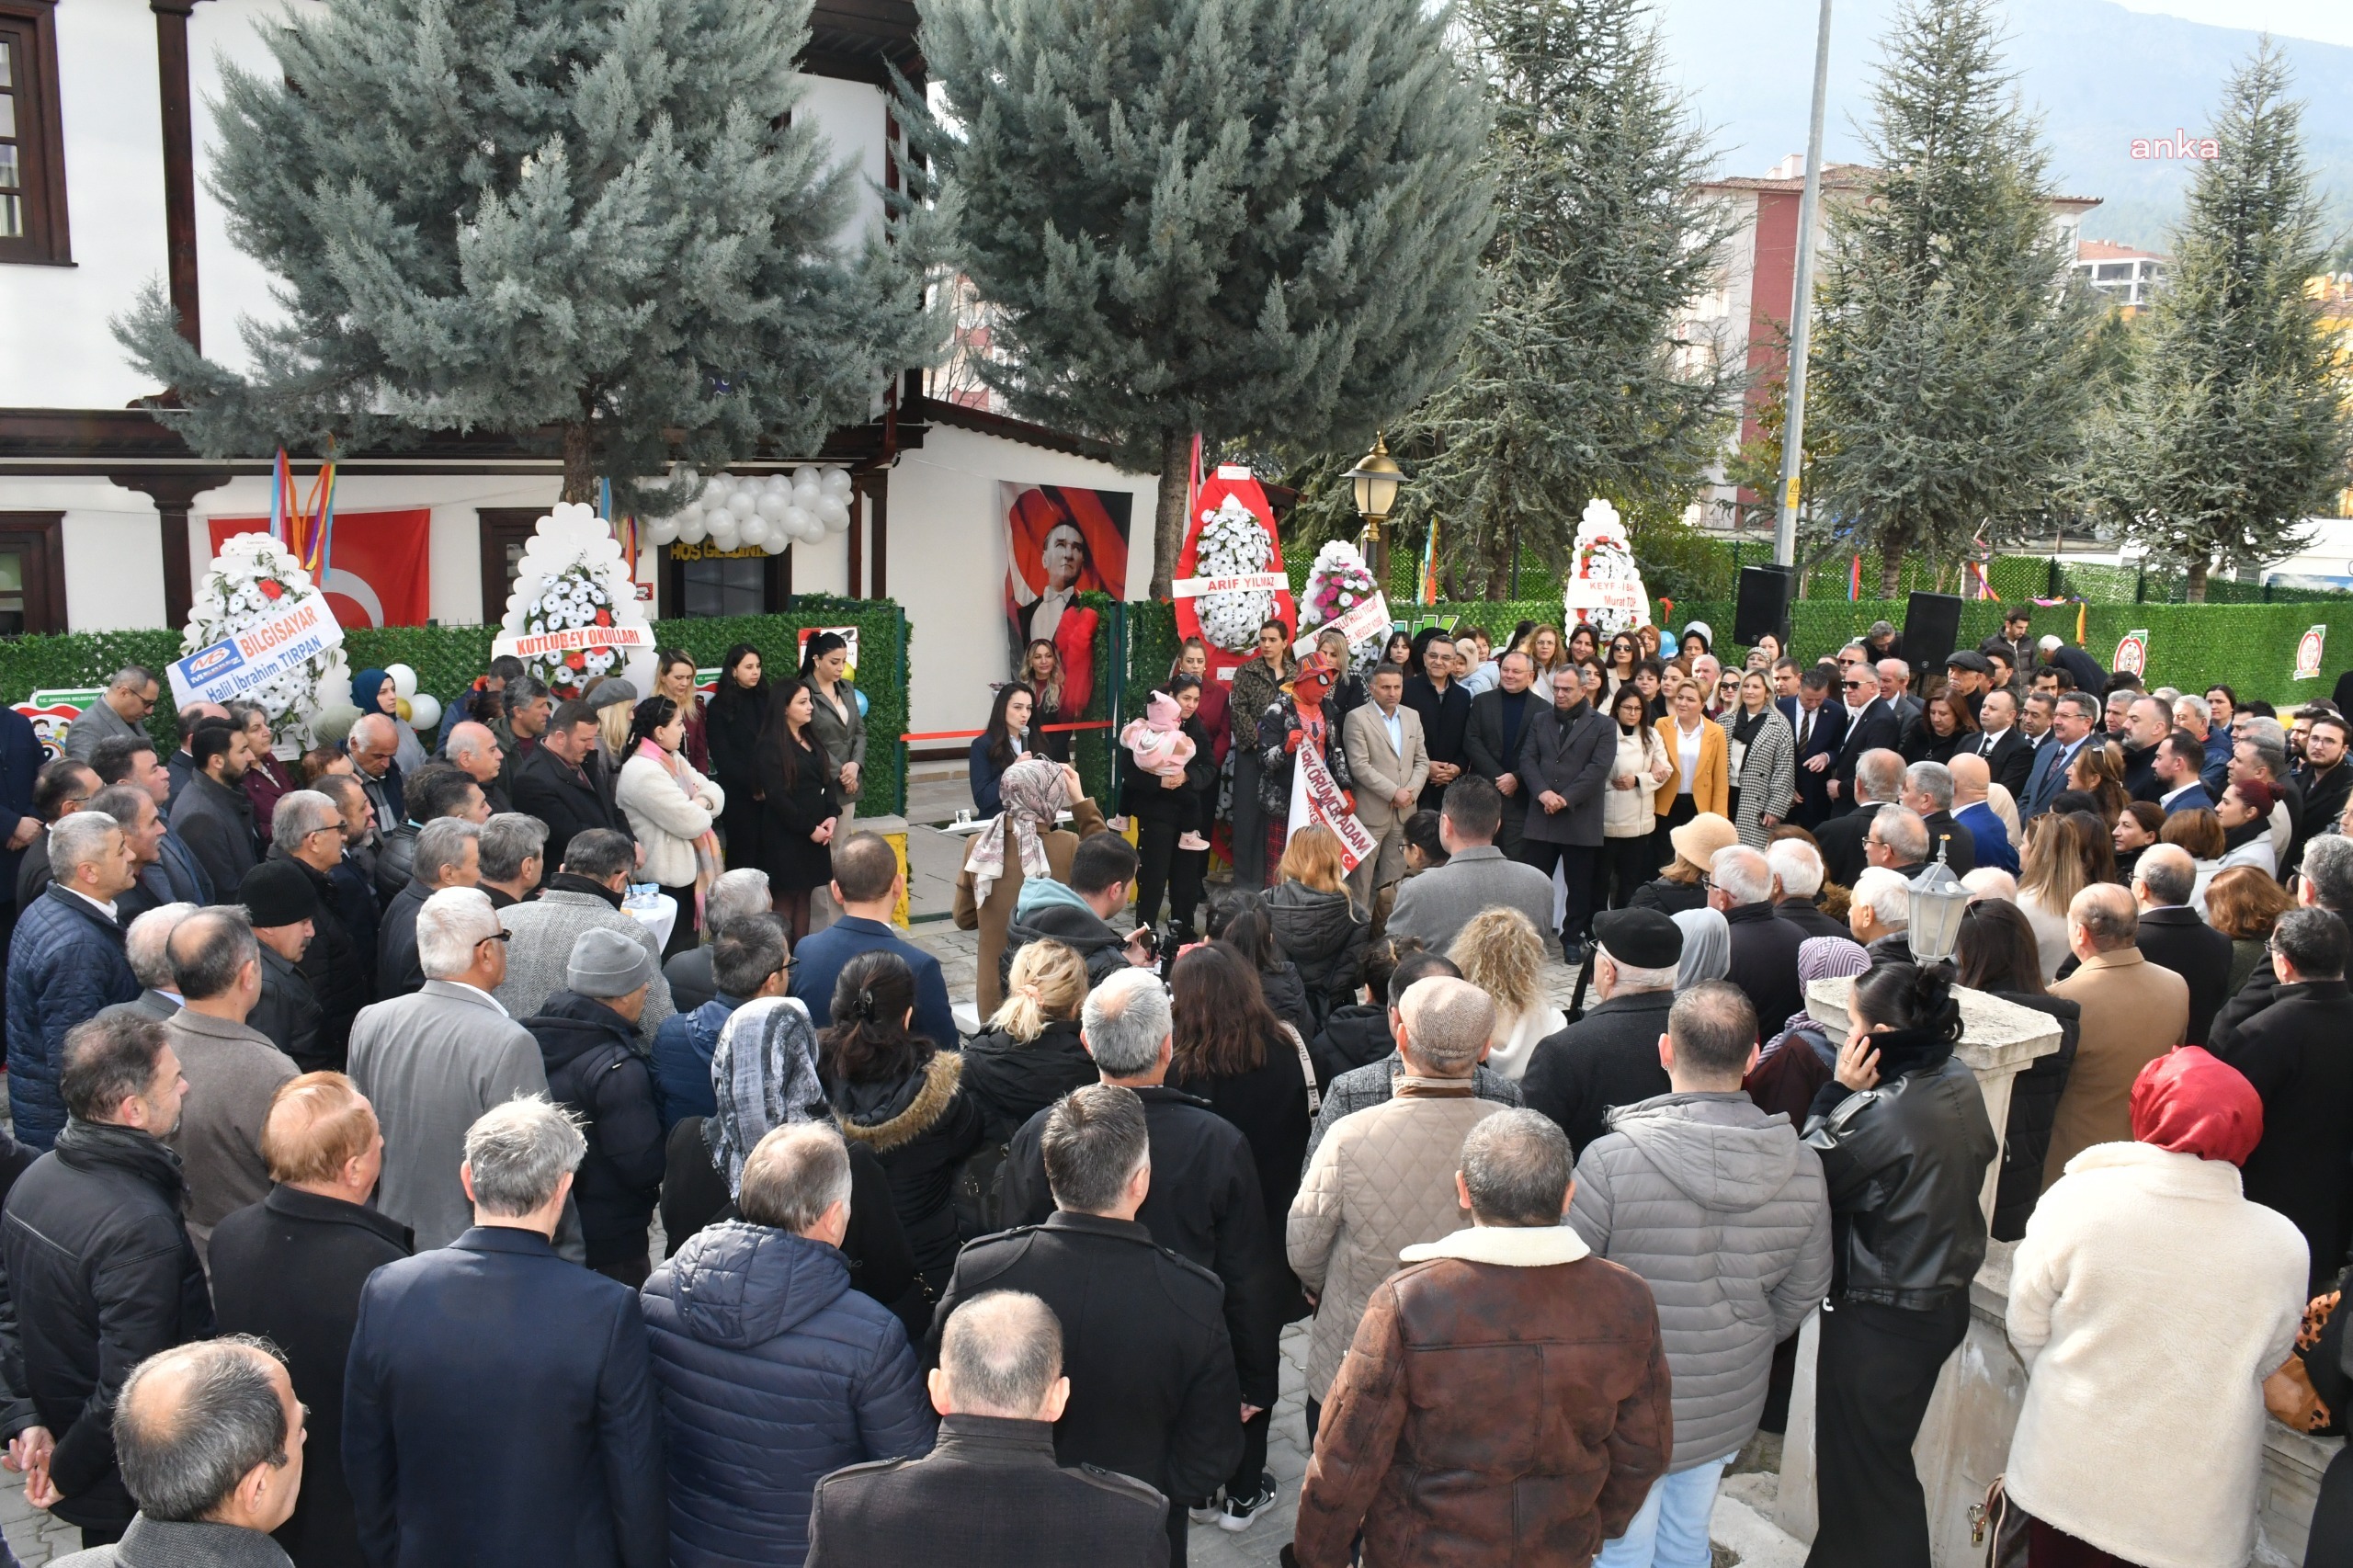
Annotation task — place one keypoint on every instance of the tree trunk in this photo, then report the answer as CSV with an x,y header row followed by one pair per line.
x,y
579,464
1169,521
2195,589
1891,567
1500,542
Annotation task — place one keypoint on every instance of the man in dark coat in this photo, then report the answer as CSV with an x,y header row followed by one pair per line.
x,y
448,855
1609,1057
173,876
991,1493
1152,1388
1797,881
2088,676
499,1406
290,1269
1845,839
1819,722
100,1266
2325,882
214,816
1763,946
2294,1052
307,834
2326,775
371,745
1564,762
773,1370
1873,723
560,781
61,788
1927,792
2173,935
588,1036
1445,710
1490,741
866,885
285,913
65,961
20,826
435,790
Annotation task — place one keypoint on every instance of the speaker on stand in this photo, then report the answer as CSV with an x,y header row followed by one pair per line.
x,y
1764,605
1931,624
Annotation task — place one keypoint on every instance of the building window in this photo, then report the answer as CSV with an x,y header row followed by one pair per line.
x,y
32,572
703,580
32,142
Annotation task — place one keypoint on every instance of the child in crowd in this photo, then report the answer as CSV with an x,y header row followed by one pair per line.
x,y
1160,747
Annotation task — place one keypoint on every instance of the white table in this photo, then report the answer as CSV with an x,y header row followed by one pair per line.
x,y
659,918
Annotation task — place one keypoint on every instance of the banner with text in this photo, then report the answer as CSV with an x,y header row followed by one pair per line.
x,y
538,644
301,628
1316,800
1367,619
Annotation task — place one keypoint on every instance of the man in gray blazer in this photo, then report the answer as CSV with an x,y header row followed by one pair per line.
x,y
1564,762
120,710
1390,764
432,1062
1437,905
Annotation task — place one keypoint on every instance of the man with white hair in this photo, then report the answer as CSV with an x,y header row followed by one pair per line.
x,y
1764,948
737,895
1609,1057
65,964
1895,691
374,740
144,944
1879,914
1796,865
1987,881
1989,837
1928,793
1899,841
473,751
432,1062
1878,780
514,859
500,1403
1384,1179
2173,936
2134,1011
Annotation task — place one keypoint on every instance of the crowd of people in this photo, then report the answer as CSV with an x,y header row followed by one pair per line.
x,y
346,1093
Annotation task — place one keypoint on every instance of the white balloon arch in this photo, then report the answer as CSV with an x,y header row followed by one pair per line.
x,y
770,513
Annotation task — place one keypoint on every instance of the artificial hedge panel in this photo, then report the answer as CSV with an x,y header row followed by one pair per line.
x,y
448,658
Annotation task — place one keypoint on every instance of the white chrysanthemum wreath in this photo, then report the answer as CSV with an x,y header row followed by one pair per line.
x,y
248,581
572,575
1234,543
1338,582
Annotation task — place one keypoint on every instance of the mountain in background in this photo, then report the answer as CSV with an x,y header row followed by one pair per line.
x,y
2099,76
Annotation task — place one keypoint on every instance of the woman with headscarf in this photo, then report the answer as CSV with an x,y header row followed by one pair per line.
x,y
2149,1301
763,1075
1797,1059
372,692
1904,1143
1019,842
1303,719
1707,948
739,707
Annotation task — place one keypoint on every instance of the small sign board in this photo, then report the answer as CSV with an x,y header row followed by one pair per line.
x,y
2308,652
2132,652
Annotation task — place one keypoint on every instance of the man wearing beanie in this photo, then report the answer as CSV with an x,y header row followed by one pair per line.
x,y
588,1036
283,906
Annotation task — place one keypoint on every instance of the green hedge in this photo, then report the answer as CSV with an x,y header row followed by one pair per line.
x,y
448,658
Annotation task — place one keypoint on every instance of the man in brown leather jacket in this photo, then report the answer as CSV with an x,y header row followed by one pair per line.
x,y
1505,1398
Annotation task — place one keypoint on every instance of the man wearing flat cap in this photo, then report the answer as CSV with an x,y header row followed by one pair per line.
x,y
283,905
1609,1057
1970,675
588,1036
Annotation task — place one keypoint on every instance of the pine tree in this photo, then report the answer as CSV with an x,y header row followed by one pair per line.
x,y
1946,391
1255,219
600,216
2235,425
1578,380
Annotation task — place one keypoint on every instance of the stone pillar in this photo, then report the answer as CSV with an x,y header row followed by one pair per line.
x,y
1975,1406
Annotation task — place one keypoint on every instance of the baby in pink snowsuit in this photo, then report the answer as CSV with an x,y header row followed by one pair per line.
x,y
1161,748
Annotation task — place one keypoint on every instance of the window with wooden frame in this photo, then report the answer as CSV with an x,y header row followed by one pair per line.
x,y
32,572
32,136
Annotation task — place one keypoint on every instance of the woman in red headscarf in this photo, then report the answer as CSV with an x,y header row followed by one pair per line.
x,y
1307,718
2149,1300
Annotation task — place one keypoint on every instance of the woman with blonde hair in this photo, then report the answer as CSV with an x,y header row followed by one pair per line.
x,y
1699,760
1029,1055
2056,866
1316,921
1501,954
1545,649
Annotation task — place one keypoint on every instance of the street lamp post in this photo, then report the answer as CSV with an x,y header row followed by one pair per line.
x,y
1375,479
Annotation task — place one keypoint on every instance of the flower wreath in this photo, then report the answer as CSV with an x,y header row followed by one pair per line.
x,y
247,578
1338,582
1232,543
574,596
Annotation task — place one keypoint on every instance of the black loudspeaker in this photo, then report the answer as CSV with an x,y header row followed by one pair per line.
x,y
1764,604
1931,622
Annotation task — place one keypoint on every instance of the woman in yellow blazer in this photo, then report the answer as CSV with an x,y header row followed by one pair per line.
x,y
1699,763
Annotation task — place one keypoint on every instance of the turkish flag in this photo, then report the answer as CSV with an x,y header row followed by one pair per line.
x,y
379,568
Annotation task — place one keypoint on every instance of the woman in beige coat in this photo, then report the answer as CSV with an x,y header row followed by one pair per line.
x,y
1020,841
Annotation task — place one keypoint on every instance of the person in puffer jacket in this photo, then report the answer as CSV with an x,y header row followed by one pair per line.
x,y
65,962
772,1371
588,1038
1724,1212
1316,922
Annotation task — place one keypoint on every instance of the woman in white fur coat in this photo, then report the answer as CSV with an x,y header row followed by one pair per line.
x,y
671,809
2149,1300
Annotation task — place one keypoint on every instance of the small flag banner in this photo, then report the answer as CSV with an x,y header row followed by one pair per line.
x,y
305,528
1854,579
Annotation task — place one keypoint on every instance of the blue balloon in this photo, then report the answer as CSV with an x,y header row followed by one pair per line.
x,y
862,704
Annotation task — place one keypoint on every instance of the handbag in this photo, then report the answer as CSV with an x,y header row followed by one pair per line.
x,y
2288,1394
2000,1526
1307,1071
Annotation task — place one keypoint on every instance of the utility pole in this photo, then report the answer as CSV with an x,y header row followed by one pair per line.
x,y
1785,514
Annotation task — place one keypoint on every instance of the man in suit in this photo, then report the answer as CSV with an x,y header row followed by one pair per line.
x,y
1154,1392
431,1063
447,855
1564,762
1797,886
1435,905
1927,789
559,781
2134,1011
1820,726
499,1403
2179,758
371,746
1491,743
1895,691
121,710
1989,836
172,874
991,1492
2172,934
1873,724
2080,667
1878,780
1390,761
2008,753
147,945
2073,721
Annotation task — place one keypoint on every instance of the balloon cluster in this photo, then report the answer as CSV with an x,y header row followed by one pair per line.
x,y
770,513
417,709
249,579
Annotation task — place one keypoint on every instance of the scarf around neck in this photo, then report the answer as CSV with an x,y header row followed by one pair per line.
x,y
708,861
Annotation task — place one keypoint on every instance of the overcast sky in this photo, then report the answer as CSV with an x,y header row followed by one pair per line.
x,y
2328,21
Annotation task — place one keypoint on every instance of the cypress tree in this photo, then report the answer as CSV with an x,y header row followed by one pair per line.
x,y
1254,218
1947,393
600,216
2233,427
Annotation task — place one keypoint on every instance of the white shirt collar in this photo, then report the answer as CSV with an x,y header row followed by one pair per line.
x,y
484,994
1995,735
2172,795
105,909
